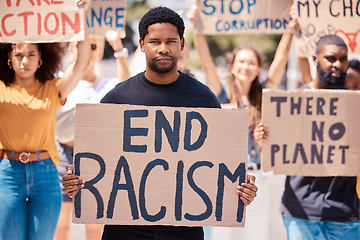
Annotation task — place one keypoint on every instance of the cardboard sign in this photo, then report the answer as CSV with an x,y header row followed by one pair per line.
x,y
40,21
160,165
243,16
103,15
319,18
312,132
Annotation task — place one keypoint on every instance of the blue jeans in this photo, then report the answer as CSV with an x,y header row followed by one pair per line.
x,y
66,155
305,229
30,200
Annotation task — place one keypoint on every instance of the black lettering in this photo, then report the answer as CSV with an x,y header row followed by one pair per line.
x,y
295,105
316,154
319,132
300,149
336,131
278,101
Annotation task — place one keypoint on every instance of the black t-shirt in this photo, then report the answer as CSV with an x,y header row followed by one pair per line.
x,y
184,92
321,198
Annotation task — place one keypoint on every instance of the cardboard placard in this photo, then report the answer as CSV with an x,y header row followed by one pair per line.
x,y
160,165
319,18
311,132
40,21
243,16
103,15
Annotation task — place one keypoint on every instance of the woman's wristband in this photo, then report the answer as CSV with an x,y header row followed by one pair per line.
x,y
122,53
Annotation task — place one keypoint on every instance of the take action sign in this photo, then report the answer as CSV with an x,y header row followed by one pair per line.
x,y
311,132
41,21
160,165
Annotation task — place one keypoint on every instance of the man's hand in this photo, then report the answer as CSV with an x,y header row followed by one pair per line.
x,y
71,182
247,191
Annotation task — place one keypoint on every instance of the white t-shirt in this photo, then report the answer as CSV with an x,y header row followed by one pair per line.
x,y
84,92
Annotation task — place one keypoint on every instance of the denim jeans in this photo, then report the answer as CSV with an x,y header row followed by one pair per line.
x,y
306,230
30,200
66,157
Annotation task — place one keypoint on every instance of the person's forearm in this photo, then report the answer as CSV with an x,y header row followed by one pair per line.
x,y
304,67
278,66
208,65
123,69
76,71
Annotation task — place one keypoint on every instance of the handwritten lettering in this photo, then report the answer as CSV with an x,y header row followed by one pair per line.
x,y
33,2
51,23
123,170
295,105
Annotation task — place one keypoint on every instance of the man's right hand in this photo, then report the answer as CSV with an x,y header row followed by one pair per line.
x,y
71,182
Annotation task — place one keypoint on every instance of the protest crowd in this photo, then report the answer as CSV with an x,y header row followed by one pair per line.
x,y
283,187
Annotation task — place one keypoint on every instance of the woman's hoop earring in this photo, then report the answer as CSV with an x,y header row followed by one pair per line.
x,y
40,63
9,63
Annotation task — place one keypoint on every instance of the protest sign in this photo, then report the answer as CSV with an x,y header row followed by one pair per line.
x,y
40,21
311,132
103,15
243,16
319,18
160,165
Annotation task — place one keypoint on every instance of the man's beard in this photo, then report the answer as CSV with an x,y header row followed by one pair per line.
x,y
330,82
155,67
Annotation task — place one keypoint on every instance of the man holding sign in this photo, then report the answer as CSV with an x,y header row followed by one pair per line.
x,y
161,38
321,207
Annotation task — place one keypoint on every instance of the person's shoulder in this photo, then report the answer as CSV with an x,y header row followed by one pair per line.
x,y
121,89
190,81
52,83
201,90
126,83
305,86
108,80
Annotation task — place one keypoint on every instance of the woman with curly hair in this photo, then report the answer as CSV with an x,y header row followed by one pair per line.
x,y
29,98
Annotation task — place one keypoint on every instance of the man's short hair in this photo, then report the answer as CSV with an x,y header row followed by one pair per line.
x,y
160,15
329,40
354,64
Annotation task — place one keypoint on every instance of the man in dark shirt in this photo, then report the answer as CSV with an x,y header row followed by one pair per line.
x,y
161,38
321,207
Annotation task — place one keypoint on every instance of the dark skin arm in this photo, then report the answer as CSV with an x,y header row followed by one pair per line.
x,y
72,184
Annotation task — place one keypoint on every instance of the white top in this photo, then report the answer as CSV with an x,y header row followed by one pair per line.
x,y
84,92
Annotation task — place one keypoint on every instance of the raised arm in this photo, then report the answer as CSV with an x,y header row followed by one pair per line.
x,y
121,54
278,66
304,67
208,65
76,71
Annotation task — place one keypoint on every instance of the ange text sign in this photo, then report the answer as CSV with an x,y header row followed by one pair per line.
x,y
218,17
40,21
160,165
311,132
103,15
